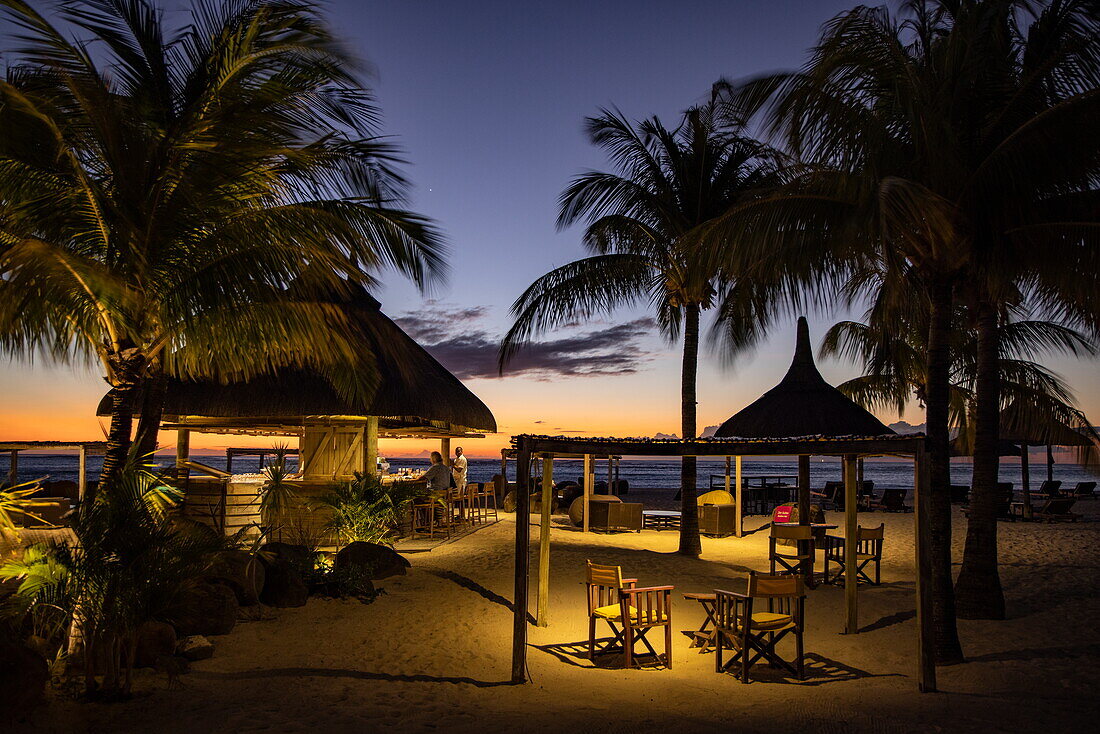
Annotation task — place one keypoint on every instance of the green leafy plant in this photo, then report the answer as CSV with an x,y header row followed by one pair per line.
x,y
277,495
128,560
17,501
366,509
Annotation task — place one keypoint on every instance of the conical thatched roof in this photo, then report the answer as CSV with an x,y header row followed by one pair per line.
x,y
1021,424
802,404
414,388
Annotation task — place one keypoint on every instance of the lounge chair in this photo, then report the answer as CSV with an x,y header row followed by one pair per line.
x,y
1004,502
752,632
831,494
868,550
1083,490
893,500
1049,488
620,602
791,548
1056,509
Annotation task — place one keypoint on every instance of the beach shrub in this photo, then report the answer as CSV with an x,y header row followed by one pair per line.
x,y
366,509
277,496
125,564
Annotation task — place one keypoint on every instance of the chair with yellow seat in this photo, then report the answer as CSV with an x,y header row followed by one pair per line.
x,y
631,612
752,632
868,551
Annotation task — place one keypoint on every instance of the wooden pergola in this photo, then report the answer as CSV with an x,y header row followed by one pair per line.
x,y
84,449
849,448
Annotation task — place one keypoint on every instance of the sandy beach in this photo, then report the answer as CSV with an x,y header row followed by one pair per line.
x,y
433,652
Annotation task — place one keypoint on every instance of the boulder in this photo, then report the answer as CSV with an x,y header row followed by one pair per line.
x,y
283,585
380,561
206,608
195,647
153,640
23,677
240,571
298,556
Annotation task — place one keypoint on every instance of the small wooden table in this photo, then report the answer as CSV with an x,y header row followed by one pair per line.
x,y
703,638
661,519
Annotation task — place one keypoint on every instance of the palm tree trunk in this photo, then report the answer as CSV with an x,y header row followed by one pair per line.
x,y
127,366
152,409
947,647
978,591
689,506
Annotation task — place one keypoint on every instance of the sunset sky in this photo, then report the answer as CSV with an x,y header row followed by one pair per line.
x,y
488,101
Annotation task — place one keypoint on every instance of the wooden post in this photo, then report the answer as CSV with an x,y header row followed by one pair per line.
x,y
1025,479
523,565
547,502
13,468
82,477
228,457
922,495
370,446
1050,463
589,479
739,529
445,448
610,479
183,451
804,510
803,489
851,497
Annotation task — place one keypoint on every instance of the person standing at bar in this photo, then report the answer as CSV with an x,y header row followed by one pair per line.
x,y
459,466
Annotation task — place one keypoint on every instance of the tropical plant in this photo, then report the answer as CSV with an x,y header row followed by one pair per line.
x,y
922,158
367,509
18,501
160,189
643,226
126,564
277,495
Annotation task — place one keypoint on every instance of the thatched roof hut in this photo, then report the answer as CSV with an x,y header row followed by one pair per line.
x,y
416,397
415,391
802,404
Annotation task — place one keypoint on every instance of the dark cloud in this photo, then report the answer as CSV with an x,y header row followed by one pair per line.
x,y
459,339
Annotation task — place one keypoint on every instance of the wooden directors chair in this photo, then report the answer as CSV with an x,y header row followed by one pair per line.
x,y
868,551
790,547
618,601
752,632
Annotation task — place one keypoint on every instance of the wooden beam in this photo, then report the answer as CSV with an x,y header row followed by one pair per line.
x,y
589,479
739,529
82,475
523,567
804,509
922,496
851,499
547,502
720,447
370,446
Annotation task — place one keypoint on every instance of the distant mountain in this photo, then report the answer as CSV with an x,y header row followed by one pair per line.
x,y
708,431
665,436
904,427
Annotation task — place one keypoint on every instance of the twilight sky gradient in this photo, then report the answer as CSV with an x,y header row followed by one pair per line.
x,y
488,99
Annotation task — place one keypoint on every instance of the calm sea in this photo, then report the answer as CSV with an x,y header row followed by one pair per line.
x,y
648,474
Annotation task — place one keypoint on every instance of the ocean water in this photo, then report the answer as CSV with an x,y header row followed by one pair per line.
x,y
640,473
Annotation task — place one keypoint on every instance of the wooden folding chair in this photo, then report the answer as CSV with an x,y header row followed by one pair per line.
x,y
790,547
868,550
753,633
629,611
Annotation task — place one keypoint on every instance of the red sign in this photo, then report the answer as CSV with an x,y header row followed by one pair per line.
x,y
783,513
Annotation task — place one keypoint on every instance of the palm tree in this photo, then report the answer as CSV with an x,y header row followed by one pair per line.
x,y
642,225
158,196
921,149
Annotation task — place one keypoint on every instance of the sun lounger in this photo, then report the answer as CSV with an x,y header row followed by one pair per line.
x,y
893,500
1083,490
1056,509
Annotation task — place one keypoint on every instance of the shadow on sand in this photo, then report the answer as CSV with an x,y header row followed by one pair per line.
x,y
347,673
